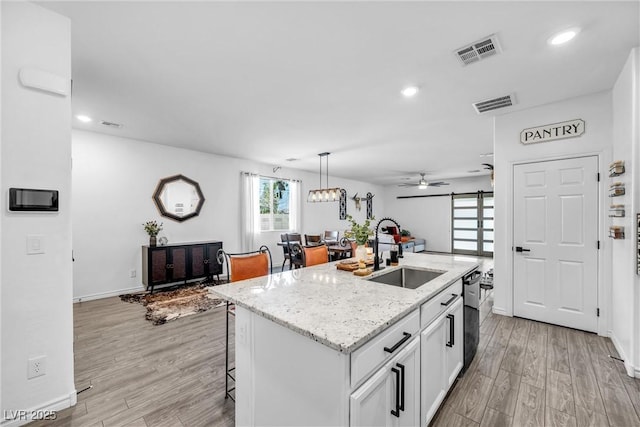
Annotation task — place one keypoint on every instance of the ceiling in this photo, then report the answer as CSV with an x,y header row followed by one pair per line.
x,y
270,81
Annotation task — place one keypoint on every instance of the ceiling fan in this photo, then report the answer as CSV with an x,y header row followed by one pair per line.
x,y
423,184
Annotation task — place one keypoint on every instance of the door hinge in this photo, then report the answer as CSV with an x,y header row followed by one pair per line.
x,y
597,312
598,244
598,174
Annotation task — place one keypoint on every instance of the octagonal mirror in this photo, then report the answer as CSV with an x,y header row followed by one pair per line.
x,y
178,197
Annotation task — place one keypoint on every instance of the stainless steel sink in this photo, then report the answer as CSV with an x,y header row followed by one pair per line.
x,y
406,277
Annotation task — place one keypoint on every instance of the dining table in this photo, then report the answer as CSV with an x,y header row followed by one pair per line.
x,y
336,250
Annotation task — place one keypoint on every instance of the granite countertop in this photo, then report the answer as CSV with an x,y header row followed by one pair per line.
x,y
335,307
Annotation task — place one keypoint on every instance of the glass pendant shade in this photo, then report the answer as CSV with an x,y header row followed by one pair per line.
x,y
324,194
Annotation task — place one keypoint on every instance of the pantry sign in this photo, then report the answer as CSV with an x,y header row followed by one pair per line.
x,y
546,133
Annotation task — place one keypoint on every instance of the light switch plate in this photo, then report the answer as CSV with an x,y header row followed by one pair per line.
x,y
35,244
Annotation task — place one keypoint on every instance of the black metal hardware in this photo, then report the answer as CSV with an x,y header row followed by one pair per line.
x,y
396,412
376,261
521,249
452,333
450,300
407,335
401,366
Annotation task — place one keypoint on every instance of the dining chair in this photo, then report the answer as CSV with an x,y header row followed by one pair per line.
x,y
346,243
292,249
290,239
312,239
314,255
241,266
331,236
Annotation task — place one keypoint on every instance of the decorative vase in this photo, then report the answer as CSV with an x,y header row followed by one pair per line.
x,y
152,240
361,252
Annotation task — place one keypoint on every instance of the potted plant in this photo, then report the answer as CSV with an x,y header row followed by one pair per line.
x,y
405,235
152,228
360,233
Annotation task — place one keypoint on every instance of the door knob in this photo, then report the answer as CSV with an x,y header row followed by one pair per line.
x,y
521,249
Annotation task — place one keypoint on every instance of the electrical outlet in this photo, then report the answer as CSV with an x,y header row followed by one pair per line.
x,y
37,366
132,274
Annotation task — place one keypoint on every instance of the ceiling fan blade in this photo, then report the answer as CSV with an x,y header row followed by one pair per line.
x,y
438,184
407,185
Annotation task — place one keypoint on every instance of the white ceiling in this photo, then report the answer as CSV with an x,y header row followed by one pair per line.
x,y
269,81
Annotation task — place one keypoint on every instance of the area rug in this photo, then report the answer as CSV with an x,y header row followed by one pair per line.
x,y
164,306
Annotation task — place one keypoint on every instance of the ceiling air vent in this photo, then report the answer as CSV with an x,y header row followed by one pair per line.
x,y
481,49
110,124
495,103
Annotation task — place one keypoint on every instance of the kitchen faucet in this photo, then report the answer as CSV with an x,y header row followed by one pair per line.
x,y
376,261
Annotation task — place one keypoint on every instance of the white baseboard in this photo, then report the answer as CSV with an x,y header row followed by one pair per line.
x,y
500,311
631,370
108,294
54,405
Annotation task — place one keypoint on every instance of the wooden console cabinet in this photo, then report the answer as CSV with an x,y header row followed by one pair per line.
x,y
179,262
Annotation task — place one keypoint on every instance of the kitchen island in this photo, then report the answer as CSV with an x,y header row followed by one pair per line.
x,y
321,346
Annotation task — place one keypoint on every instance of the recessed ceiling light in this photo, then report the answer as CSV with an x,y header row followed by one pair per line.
x,y
563,36
83,118
410,91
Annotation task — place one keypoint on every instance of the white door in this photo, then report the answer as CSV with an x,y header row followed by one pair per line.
x,y
555,236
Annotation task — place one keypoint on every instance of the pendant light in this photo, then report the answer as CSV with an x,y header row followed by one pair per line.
x,y
324,194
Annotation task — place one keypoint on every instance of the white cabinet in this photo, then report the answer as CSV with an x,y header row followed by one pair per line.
x,y
391,397
433,367
454,342
441,353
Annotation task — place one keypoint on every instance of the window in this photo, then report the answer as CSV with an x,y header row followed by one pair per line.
x,y
274,204
472,224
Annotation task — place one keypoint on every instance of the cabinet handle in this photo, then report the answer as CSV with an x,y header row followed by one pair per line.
x,y
453,296
407,335
452,332
396,412
401,366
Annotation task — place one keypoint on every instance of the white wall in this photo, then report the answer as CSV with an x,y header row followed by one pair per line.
x,y
36,152
596,111
113,183
429,218
626,146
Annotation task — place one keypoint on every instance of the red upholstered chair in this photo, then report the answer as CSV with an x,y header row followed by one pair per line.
x,y
393,230
242,266
314,255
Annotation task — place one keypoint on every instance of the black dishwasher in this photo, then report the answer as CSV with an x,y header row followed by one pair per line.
x,y
471,296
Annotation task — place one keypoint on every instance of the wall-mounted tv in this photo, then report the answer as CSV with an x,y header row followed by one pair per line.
x,y
33,200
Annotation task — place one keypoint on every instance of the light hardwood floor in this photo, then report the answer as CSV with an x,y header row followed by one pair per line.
x,y
144,375
529,373
525,374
